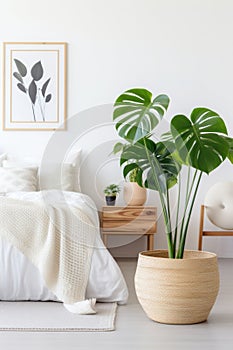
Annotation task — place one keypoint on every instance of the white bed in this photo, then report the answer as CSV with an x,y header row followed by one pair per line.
x,y
20,280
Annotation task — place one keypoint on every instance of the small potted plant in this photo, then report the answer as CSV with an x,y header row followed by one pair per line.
x,y
111,192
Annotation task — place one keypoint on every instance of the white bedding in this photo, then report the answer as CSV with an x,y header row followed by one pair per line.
x,y
20,280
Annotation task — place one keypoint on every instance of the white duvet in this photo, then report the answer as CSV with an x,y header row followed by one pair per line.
x,y
20,280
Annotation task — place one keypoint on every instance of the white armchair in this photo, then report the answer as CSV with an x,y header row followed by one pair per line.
x,y
218,206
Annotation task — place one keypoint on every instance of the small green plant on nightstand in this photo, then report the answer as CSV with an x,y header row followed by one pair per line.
x,y
111,192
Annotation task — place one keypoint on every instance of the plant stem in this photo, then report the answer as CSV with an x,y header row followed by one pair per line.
x,y
41,110
187,187
182,243
187,198
33,111
169,213
177,215
164,208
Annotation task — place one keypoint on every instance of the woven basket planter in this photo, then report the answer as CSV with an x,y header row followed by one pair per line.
x,y
177,291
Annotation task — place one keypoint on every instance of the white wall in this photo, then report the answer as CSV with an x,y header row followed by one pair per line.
x,y
183,48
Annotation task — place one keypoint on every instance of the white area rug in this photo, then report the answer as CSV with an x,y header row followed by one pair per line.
x,y
53,317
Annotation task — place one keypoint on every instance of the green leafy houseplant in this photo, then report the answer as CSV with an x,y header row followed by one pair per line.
x,y
112,190
198,142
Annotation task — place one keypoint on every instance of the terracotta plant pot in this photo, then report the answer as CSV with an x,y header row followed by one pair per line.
x,y
177,291
134,194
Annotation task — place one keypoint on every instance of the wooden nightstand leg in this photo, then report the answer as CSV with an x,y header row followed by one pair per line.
x,y
150,241
105,239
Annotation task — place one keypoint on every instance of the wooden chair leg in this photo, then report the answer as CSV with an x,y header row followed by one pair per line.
x,y
201,227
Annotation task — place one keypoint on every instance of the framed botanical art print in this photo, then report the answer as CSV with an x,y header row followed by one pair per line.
x,y
34,86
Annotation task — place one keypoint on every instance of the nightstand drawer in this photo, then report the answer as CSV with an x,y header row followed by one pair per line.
x,y
129,213
130,220
127,226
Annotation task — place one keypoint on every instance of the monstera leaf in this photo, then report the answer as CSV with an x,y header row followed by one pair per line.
x,y
230,152
200,140
137,114
158,170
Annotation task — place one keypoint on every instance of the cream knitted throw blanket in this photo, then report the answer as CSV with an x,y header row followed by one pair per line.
x,y
57,240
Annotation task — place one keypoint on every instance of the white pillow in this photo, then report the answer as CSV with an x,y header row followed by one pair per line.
x,y
18,164
63,177
49,177
18,179
53,175
75,159
219,204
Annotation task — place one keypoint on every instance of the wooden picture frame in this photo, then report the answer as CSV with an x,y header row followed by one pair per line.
x,y
34,86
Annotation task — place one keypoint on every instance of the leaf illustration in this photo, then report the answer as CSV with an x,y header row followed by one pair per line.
x,y
21,68
18,76
48,98
37,71
32,91
22,87
44,87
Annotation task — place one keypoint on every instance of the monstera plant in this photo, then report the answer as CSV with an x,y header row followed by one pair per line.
x,y
198,142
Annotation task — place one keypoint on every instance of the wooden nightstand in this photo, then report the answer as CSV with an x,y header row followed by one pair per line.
x,y
129,221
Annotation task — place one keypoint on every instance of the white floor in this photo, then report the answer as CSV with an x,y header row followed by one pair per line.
x,y
135,331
